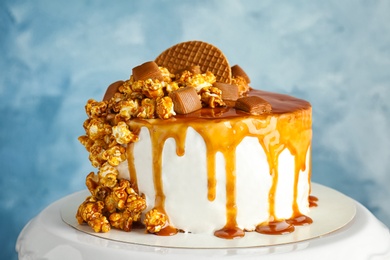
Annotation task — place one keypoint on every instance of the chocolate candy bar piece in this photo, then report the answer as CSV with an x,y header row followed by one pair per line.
x,y
229,91
147,70
185,100
254,105
195,69
238,71
112,89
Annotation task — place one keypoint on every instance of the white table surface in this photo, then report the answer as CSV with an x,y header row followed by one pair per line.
x,y
47,236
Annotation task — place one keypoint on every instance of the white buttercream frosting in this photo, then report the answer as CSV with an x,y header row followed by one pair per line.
x,y
185,186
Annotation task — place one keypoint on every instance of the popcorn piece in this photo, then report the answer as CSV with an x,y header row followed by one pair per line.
x,y
96,153
128,109
86,142
97,191
211,97
108,175
147,108
116,200
164,108
198,81
122,134
152,89
96,109
96,128
114,155
121,220
135,203
155,221
90,211
170,87
167,76
126,87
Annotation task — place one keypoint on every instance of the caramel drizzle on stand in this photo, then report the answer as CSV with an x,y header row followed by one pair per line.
x,y
275,133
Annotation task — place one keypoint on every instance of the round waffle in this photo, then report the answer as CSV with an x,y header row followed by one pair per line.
x,y
193,53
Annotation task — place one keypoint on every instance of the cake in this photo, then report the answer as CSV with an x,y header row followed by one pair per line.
x,y
186,145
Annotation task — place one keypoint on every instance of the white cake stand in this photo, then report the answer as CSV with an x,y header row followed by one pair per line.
x,y
342,229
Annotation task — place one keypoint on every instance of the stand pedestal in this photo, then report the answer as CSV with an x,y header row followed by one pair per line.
x,y
47,236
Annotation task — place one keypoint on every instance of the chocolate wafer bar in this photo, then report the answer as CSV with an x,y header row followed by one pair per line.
x,y
112,89
185,100
237,71
147,70
229,91
254,105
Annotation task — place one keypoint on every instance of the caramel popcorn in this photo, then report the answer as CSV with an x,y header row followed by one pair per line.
x,y
129,109
171,87
166,74
90,211
121,220
114,155
122,133
155,221
95,109
211,96
113,202
97,128
198,81
164,108
108,175
152,89
148,107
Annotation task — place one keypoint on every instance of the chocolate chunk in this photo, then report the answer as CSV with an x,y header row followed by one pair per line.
x,y
238,71
147,70
254,105
195,69
185,100
112,89
229,91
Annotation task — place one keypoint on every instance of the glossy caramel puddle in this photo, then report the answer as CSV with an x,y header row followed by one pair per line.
x,y
223,129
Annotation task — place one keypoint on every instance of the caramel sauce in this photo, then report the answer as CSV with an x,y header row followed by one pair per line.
x,y
313,201
229,233
275,228
300,220
138,225
131,166
167,231
287,127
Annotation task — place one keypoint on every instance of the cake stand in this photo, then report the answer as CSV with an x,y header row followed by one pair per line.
x,y
342,229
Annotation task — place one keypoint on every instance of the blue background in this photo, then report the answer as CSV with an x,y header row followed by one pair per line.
x,y
55,55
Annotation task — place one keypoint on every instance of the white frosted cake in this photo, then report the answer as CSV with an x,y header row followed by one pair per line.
x,y
186,145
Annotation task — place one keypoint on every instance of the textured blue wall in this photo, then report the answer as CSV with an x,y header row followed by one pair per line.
x,y
54,55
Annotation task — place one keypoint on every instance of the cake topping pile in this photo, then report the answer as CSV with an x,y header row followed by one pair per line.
x,y
113,202
183,79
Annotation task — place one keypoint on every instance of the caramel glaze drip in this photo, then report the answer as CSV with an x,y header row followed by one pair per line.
x,y
313,201
287,127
